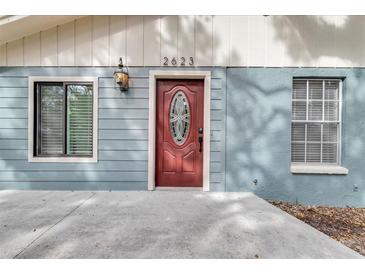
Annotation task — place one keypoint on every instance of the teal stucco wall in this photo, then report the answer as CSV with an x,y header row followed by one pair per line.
x,y
258,137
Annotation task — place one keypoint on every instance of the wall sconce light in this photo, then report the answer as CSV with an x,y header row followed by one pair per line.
x,y
121,76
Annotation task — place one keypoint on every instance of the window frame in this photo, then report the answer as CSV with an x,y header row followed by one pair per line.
x,y
31,119
320,168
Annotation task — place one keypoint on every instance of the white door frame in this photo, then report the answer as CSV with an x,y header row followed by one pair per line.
x,y
177,74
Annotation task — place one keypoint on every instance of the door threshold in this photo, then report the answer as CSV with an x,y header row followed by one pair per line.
x,y
172,188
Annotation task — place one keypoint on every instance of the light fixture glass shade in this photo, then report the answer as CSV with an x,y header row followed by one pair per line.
x,y
121,76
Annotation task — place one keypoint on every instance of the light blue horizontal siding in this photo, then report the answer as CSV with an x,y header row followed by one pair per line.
x,y
13,82
216,135
217,125
122,135
13,133
12,113
13,102
13,123
115,93
75,185
13,92
13,144
60,175
123,145
13,154
119,165
123,124
123,103
108,82
123,113
111,155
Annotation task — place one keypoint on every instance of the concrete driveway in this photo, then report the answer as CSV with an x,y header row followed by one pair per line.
x,y
159,224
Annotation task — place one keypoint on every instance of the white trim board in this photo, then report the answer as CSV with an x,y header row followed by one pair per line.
x,y
177,74
318,169
31,157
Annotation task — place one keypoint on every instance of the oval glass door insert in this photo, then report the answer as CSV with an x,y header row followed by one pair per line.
x,y
179,117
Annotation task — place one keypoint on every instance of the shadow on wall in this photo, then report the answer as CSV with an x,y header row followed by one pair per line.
x,y
258,137
259,114
257,129
187,36
122,159
335,39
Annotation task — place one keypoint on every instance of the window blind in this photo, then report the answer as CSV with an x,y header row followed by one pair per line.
x,y
64,124
79,120
315,121
52,120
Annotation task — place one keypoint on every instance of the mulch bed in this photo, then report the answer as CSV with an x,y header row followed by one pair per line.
x,y
346,225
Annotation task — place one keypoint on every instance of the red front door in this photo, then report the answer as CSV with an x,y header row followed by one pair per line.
x,y
179,133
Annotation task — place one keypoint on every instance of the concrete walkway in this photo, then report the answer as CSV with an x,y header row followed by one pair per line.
x,y
159,224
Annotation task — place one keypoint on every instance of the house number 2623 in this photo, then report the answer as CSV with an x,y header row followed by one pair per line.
x,y
182,61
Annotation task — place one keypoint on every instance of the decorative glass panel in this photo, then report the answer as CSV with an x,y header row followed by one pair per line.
x,y
179,118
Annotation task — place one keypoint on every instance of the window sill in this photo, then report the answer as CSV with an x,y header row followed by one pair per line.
x,y
318,169
62,160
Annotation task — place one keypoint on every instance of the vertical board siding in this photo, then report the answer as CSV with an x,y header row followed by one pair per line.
x,y
169,37
3,55
203,40
49,47
296,29
134,41
263,41
221,28
15,53
83,39
275,47
186,37
257,41
151,40
66,44
100,38
32,50
238,41
122,135
117,39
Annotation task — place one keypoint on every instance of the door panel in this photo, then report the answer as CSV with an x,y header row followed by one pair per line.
x,y
179,116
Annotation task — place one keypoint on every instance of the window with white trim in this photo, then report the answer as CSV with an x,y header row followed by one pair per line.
x,y
63,121
316,121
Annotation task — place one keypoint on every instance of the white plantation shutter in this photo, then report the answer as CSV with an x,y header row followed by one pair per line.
x,y
79,120
316,121
52,120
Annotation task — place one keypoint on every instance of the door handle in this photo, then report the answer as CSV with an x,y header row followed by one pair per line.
x,y
200,138
200,143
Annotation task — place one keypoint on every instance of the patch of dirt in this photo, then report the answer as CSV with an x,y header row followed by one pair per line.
x,y
346,225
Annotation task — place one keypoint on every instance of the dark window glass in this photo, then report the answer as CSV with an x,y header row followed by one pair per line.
x,y
64,123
